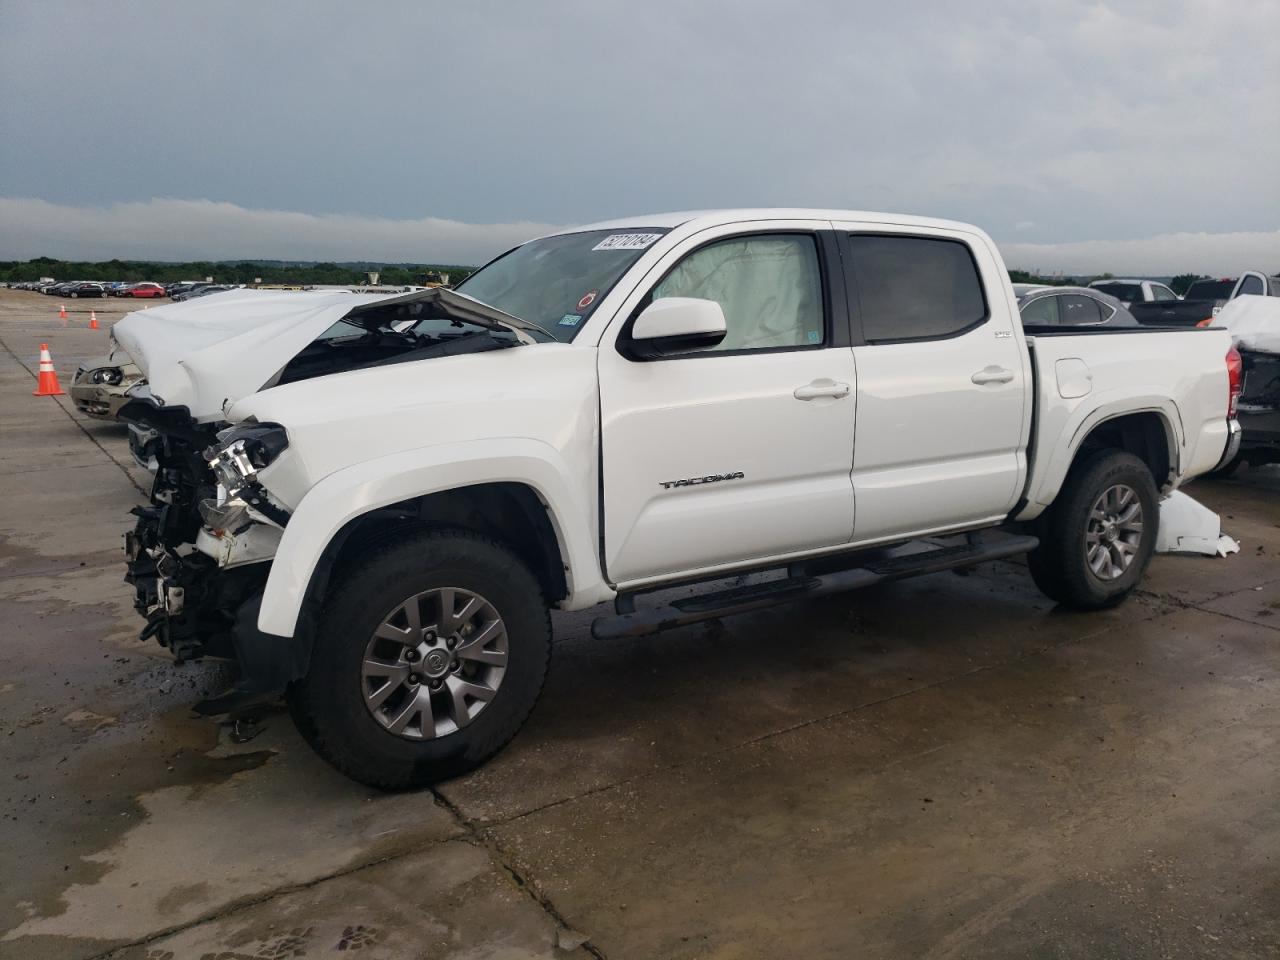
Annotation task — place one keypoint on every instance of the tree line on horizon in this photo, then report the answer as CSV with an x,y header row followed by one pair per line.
x,y
244,271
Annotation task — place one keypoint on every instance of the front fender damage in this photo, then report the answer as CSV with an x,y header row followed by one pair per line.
x,y
198,589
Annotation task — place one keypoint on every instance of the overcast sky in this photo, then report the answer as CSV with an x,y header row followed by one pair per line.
x,y
1128,136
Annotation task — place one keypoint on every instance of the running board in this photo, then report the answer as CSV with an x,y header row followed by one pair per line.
x,y
720,603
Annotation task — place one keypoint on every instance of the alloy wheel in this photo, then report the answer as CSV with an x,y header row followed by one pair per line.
x,y
1114,532
434,663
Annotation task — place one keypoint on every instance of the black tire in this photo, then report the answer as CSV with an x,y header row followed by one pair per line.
x,y
1060,565
328,705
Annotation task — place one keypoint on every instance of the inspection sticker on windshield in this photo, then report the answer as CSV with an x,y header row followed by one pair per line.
x,y
570,320
627,241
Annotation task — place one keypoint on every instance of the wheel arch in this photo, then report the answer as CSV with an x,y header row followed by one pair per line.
x,y
490,488
1150,432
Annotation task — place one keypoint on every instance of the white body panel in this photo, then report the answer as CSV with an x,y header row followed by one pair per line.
x,y
928,436
942,424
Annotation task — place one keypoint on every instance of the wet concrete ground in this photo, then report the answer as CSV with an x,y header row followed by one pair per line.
x,y
947,767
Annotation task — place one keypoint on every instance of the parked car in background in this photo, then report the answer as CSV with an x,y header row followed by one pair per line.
x,y
1021,289
1254,324
86,288
1135,291
182,286
372,504
1072,307
101,385
207,289
1205,299
144,289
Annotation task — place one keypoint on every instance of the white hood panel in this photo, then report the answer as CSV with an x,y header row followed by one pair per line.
x,y
206,352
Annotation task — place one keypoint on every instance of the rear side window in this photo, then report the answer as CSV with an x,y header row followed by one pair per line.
x,y
1162,292
1041,311
1077,309
1127,292
915,288
1210,289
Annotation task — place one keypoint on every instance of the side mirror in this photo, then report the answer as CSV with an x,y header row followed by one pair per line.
x,y
676,325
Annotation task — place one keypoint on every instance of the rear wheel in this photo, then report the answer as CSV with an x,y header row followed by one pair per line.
x,y
1097,538
428,660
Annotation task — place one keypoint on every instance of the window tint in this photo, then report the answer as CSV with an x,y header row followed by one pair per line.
x,y
1041,310
769,287
911,288
1252,284
1077,309
1210,289
1127,292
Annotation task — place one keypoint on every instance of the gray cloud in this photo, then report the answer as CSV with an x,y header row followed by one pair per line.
x,y
1055,121
200,229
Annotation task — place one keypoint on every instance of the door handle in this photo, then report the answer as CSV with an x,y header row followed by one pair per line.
x,y
821,388
992,374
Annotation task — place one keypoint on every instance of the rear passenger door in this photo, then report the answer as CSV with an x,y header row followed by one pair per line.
x,y
943,382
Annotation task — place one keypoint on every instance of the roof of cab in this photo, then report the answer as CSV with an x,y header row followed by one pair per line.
x,y
708,218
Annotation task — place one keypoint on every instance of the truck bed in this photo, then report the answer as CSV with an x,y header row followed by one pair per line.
x,y
1077,372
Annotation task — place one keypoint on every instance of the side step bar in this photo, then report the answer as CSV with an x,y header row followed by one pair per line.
x,y
709,606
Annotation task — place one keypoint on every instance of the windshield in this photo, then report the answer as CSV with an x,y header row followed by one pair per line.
x,y
557,282
1210,289
1128,292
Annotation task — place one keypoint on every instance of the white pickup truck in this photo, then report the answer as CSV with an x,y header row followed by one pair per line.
x,y
372,503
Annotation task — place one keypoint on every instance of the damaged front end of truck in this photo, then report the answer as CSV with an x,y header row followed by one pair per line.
x,y
200,552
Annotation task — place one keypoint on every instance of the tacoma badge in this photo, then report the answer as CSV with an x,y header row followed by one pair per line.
x,y
692,481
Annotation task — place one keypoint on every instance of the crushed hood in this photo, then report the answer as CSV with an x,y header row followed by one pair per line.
x,y
207,353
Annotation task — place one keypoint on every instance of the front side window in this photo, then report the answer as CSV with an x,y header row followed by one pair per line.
x,y
1077,309
1040,311
915,288
769,287
557,282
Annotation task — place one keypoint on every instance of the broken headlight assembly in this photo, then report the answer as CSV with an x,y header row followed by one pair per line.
x,y
246,449
106,376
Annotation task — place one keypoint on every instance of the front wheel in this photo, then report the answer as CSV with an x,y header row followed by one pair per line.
x,y
429,657
1097,538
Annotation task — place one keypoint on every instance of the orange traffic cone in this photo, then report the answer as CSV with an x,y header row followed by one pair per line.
x,y
93,320
47,381
62,311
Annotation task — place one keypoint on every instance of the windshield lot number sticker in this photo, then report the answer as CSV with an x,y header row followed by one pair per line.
x,y
588,299
627,241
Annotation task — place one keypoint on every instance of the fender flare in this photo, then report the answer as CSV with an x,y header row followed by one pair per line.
x,y
355,490
1077,429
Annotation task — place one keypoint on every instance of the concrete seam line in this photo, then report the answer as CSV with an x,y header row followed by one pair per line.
x,y
237,906
523,880
1232,616
79,425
